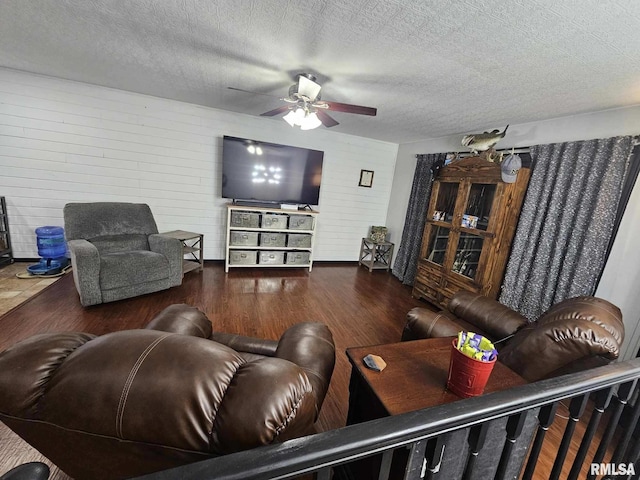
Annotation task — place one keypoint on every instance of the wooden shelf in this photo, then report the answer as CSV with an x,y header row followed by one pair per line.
x,y
189,265
281,265
251,220
249,247
274,230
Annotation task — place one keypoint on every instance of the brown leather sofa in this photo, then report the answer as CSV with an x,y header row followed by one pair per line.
x,y
573,335
138,401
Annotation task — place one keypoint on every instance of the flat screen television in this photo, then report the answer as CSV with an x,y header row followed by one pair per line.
x,y
261,172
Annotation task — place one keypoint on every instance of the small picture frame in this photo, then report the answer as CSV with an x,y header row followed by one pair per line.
x,y
366,178
469,221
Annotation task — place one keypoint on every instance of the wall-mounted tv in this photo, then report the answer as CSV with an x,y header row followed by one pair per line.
x,y
264,172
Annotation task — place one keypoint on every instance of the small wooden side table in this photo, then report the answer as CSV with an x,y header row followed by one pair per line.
x,y
192,244
415,378
375,255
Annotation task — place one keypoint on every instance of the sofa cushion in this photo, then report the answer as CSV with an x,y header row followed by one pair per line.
x,y
132,268
120,243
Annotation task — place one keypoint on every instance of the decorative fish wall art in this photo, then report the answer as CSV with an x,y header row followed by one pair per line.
x,y
480,142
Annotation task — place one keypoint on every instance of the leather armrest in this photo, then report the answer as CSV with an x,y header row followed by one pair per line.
x,y
269,400
541,351
187,320
591,309
311,347
241,343
183,319
85,260
490,316
425,323
574,334
171,248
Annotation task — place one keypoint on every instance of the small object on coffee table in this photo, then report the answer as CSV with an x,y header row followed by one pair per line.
x,y
374,362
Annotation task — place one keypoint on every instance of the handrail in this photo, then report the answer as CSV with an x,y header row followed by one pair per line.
x,y
316,452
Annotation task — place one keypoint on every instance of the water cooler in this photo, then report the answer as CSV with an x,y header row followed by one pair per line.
x,y
53,250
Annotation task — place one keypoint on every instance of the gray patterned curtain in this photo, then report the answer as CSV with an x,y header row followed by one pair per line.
x,y
406,262
567,219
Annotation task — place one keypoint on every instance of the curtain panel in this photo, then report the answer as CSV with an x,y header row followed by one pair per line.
x,y
566,222
406,262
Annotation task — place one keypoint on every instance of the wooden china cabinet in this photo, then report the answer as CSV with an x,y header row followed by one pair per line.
x,y
471,221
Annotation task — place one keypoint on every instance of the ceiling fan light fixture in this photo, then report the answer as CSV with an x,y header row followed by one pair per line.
x,y
290,118
300,114
310,122
304,107
301,117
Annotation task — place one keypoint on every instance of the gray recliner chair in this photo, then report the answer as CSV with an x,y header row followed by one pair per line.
x,y
116,251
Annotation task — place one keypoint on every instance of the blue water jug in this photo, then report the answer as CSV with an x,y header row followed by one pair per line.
x,y
51,242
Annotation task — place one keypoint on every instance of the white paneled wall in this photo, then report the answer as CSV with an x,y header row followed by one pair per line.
x,y
63,141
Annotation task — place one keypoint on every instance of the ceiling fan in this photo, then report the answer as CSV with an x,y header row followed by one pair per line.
x,y
305,107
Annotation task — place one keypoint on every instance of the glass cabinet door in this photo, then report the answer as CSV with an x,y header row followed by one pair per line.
x,y
457,230
438,241
446,202
467,254
479,204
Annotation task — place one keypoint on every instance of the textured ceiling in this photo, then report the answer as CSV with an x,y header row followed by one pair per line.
x,y
430,67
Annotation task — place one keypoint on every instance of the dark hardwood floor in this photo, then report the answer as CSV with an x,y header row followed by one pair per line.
x,y
360,308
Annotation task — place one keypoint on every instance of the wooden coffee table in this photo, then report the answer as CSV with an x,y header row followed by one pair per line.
x,y
415,378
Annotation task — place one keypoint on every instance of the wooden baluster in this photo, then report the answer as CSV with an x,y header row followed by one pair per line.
x,y
416,460
576,409
634,456
602,399
621,448
477,436
624,393
434,454
514,430
324,474
546,416
385,465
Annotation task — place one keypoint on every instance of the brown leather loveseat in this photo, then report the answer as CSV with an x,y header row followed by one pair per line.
x,y
573,335
138,401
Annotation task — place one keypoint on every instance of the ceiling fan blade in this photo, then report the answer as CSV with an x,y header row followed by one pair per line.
x,y
326,119
275,111
308,87
254,93
347,108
